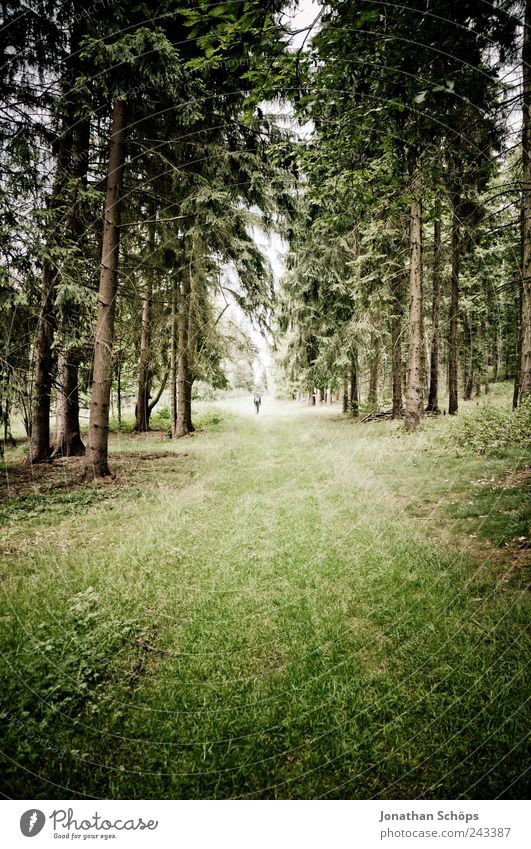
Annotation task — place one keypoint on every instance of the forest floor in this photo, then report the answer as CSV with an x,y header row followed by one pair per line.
x,y
289,605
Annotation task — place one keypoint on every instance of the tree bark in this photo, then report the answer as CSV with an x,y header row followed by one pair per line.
x,y
468,369
345,395
47,324
524,388
396,348
68,442
183,356
373,370
144,375
42,379
414,398
119,388
485,360
190,377
453,403
173,360
98,441
354,386
433,394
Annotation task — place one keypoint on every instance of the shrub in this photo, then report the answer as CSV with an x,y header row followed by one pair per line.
x,y
491,429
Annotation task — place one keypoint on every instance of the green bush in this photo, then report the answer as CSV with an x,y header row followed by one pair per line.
x,y
491,429
209,420
161,420
125,426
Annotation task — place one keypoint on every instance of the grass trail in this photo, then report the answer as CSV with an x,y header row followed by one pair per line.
x,y
289,606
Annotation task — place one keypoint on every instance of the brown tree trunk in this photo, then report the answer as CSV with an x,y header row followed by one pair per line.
x,y
42,378
345,395
414,398
468,369
453,404
433,394
396,348
183,356
354,386
98,439
524,387
485,360
373,370
68,442
173,360
119,388
192,340
47,324
144,374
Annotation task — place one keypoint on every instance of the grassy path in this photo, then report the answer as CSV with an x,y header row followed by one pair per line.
x,y
279,608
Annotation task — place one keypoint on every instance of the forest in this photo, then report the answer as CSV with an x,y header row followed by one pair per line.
x,y
326,204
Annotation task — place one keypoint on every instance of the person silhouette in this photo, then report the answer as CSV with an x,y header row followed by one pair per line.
x,y
257,401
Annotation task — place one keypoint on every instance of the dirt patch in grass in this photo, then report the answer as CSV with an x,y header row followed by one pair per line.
x,y
67,474
515,477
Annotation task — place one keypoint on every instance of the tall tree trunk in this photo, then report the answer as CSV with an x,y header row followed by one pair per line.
x,y
373,370
144,373
47,324
485,359
453,404
68,442
42,378
396,347
433,394
192,344
354,386
119,387
524,388
468,368
183,355
345,395
414,398
173,360
98,440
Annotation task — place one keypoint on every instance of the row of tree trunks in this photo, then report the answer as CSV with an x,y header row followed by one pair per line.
x,y
373,369
42,372
183,420
354,399
414,399
173,356
524,377
396,346
39,451
70,182
98,438
67,440
453,403
144,370
433,394
468,367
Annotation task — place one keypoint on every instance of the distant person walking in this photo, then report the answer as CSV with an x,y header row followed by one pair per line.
x,y
257,402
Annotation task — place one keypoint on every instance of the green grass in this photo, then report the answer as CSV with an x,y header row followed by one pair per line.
x,y
285,606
